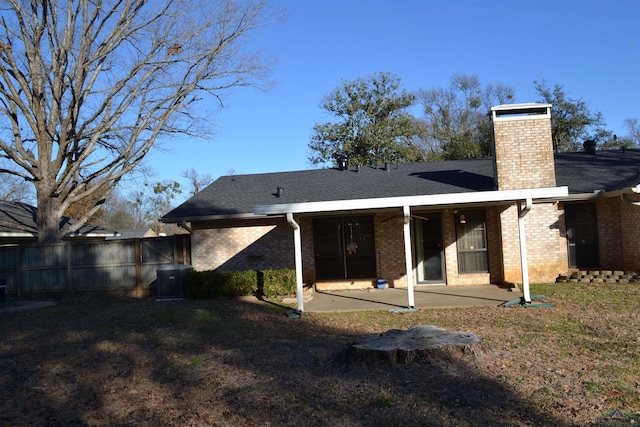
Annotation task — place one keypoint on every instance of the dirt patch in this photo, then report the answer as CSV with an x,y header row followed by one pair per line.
x,y
118,361
24,305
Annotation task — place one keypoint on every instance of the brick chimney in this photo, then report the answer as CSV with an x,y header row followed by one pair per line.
x,y
523,149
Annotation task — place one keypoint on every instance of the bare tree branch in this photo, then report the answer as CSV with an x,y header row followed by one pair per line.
x,y
88,86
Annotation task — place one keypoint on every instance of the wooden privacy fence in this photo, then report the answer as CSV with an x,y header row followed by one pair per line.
x,y
123,266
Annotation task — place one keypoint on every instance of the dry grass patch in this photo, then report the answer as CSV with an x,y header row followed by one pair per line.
x,y
111,361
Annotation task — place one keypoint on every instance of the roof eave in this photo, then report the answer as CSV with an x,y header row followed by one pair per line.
x,y
498,196
208,218
622,191
92,234
22,234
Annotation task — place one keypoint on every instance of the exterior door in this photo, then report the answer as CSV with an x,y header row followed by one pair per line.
x,y
429,248
344,248
582,235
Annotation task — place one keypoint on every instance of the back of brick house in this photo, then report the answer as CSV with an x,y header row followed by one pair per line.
x,y
461,244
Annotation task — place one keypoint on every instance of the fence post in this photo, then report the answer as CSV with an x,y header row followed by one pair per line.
x,y
138,251
18,275
67,254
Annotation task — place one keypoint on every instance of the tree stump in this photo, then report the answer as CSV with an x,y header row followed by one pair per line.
x,y
420,343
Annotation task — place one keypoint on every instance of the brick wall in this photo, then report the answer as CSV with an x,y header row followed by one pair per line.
x,y
390,248
268,243
546,243
610,233
524,153
308,254
242,245
630,235
618,234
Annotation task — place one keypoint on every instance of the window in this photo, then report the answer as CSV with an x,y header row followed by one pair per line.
x,y
471,242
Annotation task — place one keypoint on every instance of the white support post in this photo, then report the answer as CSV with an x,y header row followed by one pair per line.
x,y
407,254
522,212
298,260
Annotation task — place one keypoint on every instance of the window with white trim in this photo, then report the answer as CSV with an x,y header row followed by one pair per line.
x,y
471,232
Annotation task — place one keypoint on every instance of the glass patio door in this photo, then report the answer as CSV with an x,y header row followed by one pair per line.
x,y
429,248
344,248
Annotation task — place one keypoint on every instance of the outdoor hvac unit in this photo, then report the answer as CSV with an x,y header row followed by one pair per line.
x,y
3,291
171,281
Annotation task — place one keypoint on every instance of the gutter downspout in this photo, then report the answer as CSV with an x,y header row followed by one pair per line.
x,y
407,254
298,257
629,200
522,212
183,224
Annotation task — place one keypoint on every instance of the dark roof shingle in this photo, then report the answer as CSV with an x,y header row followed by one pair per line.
x,y
238,194
20,219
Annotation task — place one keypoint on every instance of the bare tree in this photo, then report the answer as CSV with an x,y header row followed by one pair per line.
x,y
456,120
88,86
14,189
633,126
196,181
456,123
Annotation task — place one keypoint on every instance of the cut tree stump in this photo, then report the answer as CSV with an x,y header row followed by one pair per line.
x,y
420,343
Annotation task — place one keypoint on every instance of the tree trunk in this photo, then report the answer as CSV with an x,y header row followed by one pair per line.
x,y
49,217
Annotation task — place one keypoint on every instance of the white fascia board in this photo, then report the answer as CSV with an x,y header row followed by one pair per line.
x,y
522,106
17,234
425,200
616,193
92,235
207,218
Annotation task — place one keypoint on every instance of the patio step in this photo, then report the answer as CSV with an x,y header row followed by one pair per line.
x,y
599,277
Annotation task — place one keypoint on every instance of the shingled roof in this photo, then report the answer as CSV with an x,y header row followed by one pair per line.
x,y
19,220
238,194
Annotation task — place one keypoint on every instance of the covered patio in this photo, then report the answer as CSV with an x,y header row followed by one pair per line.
x,y
523,199
425,297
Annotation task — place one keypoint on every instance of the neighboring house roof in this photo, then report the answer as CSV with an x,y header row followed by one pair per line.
x,y
139,233
19,220
237,195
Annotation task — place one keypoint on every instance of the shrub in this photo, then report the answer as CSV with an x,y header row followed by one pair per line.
x,y
215,284
277,282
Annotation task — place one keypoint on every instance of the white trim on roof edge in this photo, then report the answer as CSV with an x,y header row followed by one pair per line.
x,y
424,200
17,234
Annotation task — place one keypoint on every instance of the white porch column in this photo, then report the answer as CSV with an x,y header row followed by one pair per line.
x,y
298,259
522,212
407,254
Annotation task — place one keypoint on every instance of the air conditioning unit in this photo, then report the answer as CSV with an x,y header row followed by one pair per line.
x,y
171,281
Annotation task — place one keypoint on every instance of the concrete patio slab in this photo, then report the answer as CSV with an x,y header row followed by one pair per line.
x,y
424,297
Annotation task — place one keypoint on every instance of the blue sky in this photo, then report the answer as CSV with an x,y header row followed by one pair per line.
x,y
590,47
